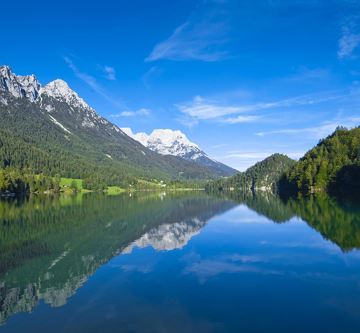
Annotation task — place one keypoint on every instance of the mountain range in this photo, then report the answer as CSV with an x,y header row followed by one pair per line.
x,y
50,129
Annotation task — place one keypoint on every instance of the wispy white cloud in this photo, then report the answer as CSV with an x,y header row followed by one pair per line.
x,y
241,119
349,40
91,82
88,79
132,113
203,109
110,73
150,74
201,37
207,109
316,132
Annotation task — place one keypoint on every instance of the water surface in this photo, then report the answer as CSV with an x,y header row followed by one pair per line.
x,y
186,262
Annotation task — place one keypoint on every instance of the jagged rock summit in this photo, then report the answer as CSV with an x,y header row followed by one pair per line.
x,y
29,87
19,86
60,90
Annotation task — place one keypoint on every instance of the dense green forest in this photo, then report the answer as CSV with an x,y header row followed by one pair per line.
x,y
22,182
263,175
332,166
13,181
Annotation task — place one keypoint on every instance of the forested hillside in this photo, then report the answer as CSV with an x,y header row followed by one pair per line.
x,y
264,175
332,166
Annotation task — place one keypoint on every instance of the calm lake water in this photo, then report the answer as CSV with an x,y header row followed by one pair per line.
x,y
185,262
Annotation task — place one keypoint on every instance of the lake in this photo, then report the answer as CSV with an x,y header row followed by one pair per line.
x,y
179,262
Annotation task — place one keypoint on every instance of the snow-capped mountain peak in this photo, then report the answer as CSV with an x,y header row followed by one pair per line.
x,y
29,87
19,86
168,137
60,90
175,142
166,142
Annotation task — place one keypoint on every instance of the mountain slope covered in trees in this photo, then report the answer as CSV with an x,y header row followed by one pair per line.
x,y
264,175
51,130
332,166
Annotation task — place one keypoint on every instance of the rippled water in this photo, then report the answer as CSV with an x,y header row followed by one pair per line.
x,y
186,262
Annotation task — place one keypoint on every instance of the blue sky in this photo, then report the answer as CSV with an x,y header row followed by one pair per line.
x,y
243,79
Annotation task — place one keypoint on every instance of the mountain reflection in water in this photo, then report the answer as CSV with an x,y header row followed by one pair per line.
x,y
49,247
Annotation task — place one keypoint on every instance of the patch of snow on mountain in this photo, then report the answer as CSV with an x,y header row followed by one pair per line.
x,y
59,124
49,108
87,123
3,100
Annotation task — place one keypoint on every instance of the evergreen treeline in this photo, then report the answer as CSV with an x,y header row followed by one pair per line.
x,y
332,166
17,182
13,181
94,184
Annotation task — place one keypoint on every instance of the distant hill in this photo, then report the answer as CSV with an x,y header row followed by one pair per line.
x,y
332,166
264,175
